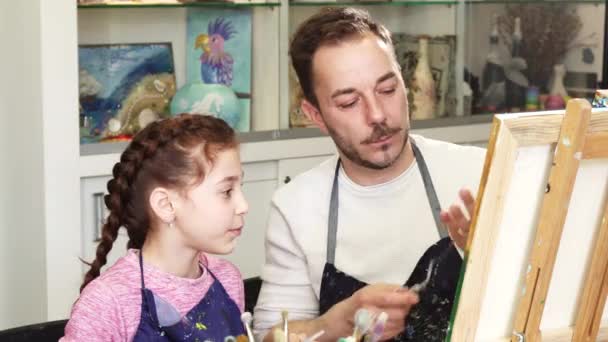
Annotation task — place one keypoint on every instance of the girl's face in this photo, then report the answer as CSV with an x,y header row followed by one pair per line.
x,y
210,215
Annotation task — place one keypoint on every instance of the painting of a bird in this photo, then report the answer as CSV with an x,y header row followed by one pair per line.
x,y
216,63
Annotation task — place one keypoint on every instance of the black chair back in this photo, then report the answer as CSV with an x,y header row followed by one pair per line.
x,y
252,290
42,332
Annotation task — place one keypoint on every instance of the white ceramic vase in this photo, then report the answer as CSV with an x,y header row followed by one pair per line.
x,y
423,86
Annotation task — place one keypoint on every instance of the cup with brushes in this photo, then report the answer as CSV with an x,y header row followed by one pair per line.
x,y
246,318
279,334
283,335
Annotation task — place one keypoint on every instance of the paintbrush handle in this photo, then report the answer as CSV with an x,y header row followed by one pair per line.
x,y
314,336
378,328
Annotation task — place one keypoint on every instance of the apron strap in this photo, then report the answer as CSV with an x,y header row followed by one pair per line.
x,y
334,202
141,269
332,218
144,299
431,195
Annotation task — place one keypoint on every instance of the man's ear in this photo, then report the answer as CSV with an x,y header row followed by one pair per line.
x,y
313,114
160,202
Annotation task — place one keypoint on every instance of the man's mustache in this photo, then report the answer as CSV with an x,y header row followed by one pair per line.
x,y
380,132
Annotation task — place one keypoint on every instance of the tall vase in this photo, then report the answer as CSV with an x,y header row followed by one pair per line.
x,y
493,75
423,85
557,87
515,94
557,93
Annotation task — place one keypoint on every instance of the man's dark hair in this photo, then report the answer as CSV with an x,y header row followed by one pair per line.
x,y
329,26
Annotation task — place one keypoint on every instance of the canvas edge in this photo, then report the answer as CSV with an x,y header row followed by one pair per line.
x,y
471,288
524,129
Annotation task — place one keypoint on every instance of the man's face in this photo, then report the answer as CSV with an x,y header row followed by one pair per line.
x,y
362,100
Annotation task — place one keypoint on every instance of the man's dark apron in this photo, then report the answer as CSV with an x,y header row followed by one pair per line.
x,y
429,319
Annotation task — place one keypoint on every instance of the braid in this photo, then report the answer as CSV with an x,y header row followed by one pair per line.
x,y
158,155
118,188
142,148
108,233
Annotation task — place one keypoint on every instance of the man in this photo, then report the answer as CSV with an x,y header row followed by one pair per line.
x,y
372,214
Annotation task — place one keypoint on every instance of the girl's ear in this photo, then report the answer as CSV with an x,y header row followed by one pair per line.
x,y
160,202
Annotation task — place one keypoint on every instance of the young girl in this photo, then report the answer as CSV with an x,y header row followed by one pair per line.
x,y
177,191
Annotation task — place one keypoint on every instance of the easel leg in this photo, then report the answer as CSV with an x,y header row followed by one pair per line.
x,y
593,297
552,219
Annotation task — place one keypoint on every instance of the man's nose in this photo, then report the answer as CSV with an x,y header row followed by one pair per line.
x,y
375,112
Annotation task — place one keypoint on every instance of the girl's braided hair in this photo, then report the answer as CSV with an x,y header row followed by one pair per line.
x,y
172,153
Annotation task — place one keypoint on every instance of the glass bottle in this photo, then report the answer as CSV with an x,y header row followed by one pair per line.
x,y
493,75
423,85
515,94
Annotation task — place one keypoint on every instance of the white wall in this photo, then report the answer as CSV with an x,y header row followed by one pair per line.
x,y
39,179
61,154
22,248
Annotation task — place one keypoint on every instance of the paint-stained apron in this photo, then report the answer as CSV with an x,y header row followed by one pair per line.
x,y
429,319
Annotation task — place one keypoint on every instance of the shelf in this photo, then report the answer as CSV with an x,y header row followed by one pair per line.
x,y
177,5
372,3
296,133
433,2
547,2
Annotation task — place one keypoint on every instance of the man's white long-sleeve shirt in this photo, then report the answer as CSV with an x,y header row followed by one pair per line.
x,y
383,229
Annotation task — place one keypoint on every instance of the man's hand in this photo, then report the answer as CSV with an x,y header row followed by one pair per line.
x,y
395,300
457,223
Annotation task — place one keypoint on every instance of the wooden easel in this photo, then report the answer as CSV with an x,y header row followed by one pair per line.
x,y
570,150
578,135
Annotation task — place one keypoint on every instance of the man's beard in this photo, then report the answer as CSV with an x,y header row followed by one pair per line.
x,y
379,131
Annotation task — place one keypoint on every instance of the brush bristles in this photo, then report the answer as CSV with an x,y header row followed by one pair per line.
x,y
246,317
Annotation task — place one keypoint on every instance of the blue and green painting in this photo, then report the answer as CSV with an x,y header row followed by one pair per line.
x,y
122,87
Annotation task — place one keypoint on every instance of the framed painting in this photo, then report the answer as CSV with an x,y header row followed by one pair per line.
x,y
122,88
219,53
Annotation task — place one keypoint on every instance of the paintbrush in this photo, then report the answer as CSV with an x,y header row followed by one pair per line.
x,y
422,285
246,319
278,335
378,328
284,314
363,322
433,263
315,336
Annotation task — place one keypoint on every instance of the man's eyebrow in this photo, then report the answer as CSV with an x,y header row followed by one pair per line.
x,y
387,76
342,92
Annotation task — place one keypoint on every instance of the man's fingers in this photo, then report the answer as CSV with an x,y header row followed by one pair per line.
x,y
385,296
396,315
445,217
392,329
400,298
456,213
458,223
469,201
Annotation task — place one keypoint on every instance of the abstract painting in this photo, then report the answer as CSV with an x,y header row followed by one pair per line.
x,y
122,88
